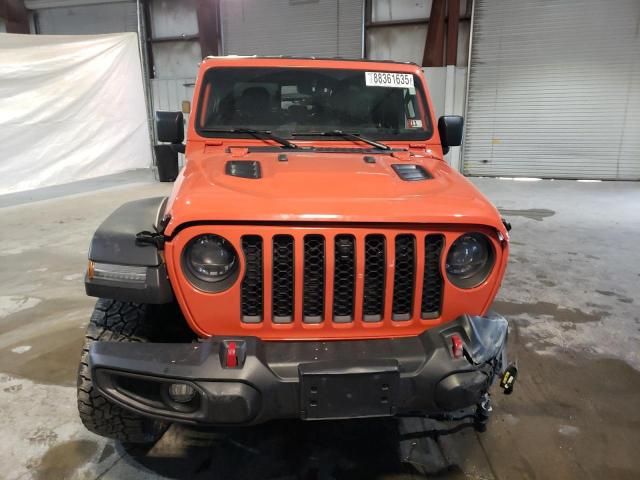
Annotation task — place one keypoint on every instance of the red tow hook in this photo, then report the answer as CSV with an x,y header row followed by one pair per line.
x,y
457,347
233,353
232,356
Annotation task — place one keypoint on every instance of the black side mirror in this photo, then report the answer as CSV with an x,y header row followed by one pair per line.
x,y
450,129
170,127
167,162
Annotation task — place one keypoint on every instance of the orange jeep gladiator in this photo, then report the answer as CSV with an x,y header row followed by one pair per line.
x,y
317,259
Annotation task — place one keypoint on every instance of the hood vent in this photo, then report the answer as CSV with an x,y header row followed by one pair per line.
x,y
411,172
243,169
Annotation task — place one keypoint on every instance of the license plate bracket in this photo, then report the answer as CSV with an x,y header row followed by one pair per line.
x,y
329,391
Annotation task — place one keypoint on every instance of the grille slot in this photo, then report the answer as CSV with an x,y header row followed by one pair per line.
x,y
404,277
375,265
433,282
313,281
252,283
283,275
344,278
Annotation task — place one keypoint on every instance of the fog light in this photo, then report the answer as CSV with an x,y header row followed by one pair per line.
x,y
181,392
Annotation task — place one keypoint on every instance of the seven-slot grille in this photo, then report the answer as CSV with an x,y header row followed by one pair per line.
x,y
329,265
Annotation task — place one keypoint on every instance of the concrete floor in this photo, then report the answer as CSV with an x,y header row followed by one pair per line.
x,y
571,295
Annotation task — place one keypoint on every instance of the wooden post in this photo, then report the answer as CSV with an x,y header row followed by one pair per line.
x,y
208,12
434,45
15,16
452,31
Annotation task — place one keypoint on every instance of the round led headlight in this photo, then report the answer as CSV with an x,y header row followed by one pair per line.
x,y
470,260
210,262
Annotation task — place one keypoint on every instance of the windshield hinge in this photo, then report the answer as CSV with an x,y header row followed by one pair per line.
x,y
237,152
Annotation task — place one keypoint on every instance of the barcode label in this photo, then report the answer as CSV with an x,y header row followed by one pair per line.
x,y
388,79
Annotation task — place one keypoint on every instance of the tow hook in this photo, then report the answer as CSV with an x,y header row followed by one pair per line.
x,y
508,379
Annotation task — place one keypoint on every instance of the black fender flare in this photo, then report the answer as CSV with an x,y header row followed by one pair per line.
x,y
114,244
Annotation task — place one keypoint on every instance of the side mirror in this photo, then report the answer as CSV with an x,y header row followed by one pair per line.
x,y
167,162
170,127
450,129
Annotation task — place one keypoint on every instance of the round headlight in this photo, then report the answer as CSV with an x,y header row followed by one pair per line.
x,y
470,260
210,262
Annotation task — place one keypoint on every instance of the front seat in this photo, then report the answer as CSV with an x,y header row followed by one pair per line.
x,y
254,107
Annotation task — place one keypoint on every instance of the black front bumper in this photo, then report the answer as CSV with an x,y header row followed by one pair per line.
x,y
310,379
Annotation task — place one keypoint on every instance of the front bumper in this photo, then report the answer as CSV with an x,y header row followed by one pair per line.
x,y
310,380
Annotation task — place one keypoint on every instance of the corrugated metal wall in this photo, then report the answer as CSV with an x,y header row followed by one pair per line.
x,y
88,19
393,40
326,28
169,93
554,89
175,62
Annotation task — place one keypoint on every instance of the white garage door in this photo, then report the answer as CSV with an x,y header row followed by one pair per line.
x,y
324,28
554,89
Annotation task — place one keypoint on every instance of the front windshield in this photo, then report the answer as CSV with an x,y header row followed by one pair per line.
x,y
295,101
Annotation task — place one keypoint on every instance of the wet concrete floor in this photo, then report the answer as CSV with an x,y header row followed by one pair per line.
x,y
571,295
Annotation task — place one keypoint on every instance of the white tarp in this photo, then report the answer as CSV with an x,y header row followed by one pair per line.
x,y
71,108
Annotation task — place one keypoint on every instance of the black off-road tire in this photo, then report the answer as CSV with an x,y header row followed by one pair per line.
x,y
115,322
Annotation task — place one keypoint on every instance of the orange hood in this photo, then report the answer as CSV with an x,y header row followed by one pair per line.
x,y
325,187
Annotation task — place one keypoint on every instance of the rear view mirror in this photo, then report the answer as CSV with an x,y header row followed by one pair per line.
x,y
170,127
450,129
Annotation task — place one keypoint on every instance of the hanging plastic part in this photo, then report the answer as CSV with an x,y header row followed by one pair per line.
x,y
483,412
457,347
155,238
232,355
508,380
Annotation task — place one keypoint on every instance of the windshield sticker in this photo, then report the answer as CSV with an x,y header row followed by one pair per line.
x,y
415,123
388,79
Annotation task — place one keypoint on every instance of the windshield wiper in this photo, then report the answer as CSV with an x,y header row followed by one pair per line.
x,y
256,133
339,133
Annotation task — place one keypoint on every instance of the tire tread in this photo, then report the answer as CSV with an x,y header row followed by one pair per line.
x,y
114,321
